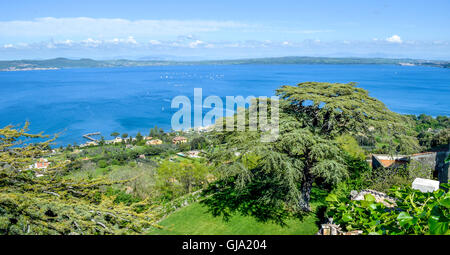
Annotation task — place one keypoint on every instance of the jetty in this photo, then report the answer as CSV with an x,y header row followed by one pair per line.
x,y
88,136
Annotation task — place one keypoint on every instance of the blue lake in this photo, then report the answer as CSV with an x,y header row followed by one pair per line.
x,y
128,100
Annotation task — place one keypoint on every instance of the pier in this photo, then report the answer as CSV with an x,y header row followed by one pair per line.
x,y
88,136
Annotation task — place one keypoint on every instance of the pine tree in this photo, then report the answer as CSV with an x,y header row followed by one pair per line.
x,y
34,201
272,180
336,108
139,137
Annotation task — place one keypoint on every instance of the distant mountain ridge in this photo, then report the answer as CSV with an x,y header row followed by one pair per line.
x,y
57,63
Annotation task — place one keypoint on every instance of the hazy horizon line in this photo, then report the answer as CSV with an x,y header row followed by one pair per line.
x,y
192,58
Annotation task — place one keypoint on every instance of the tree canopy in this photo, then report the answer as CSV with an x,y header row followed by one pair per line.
x,y
38,201
336,108
272,180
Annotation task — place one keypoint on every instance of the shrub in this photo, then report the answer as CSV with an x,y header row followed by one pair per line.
x,y
441,138
417,169
178,178
350,145
102,163
122,197
199,143
357,167
415,213
382,179
143,187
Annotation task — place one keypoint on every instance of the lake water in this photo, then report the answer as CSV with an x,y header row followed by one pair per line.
x,y
128,100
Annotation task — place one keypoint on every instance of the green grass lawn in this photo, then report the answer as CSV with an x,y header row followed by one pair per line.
x,y
195,220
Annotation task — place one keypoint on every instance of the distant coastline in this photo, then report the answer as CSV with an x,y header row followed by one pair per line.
x,y
59,63
14,69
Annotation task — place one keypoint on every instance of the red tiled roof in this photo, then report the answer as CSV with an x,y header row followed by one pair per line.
x,y
386,163
390,162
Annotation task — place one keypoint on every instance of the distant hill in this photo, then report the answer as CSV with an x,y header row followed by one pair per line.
x,y
18,65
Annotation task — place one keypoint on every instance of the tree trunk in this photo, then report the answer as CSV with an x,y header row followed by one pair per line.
x,y
306,193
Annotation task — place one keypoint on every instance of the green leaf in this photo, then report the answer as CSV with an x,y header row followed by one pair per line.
x,y
437,222
347,217
369,198
331,198
446,201
437,225
373,206
404,218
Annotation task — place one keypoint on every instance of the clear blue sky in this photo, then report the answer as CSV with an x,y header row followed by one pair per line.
x,y
224,29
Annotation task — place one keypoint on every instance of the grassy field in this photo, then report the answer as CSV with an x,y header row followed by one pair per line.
x,y
195,220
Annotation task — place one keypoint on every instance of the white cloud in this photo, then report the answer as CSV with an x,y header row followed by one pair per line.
x,y
131,40
394,39
199,43
95,47
109,28
91,42
66,42
155,42
196,43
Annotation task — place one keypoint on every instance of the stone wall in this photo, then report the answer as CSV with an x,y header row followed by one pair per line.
x,y
421,165
434,161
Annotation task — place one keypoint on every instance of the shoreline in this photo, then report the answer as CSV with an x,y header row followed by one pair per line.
x,y
63,63
14,69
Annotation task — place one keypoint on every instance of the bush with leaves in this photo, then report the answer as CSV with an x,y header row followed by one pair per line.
x,y
102,163
198,143
425,122
350,145
415,212
175,179
383,179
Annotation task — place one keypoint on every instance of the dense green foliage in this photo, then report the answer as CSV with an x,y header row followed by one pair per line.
x,y
272,180
49,204
179,178
337,108
415,213
425,122
350,146
432,132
